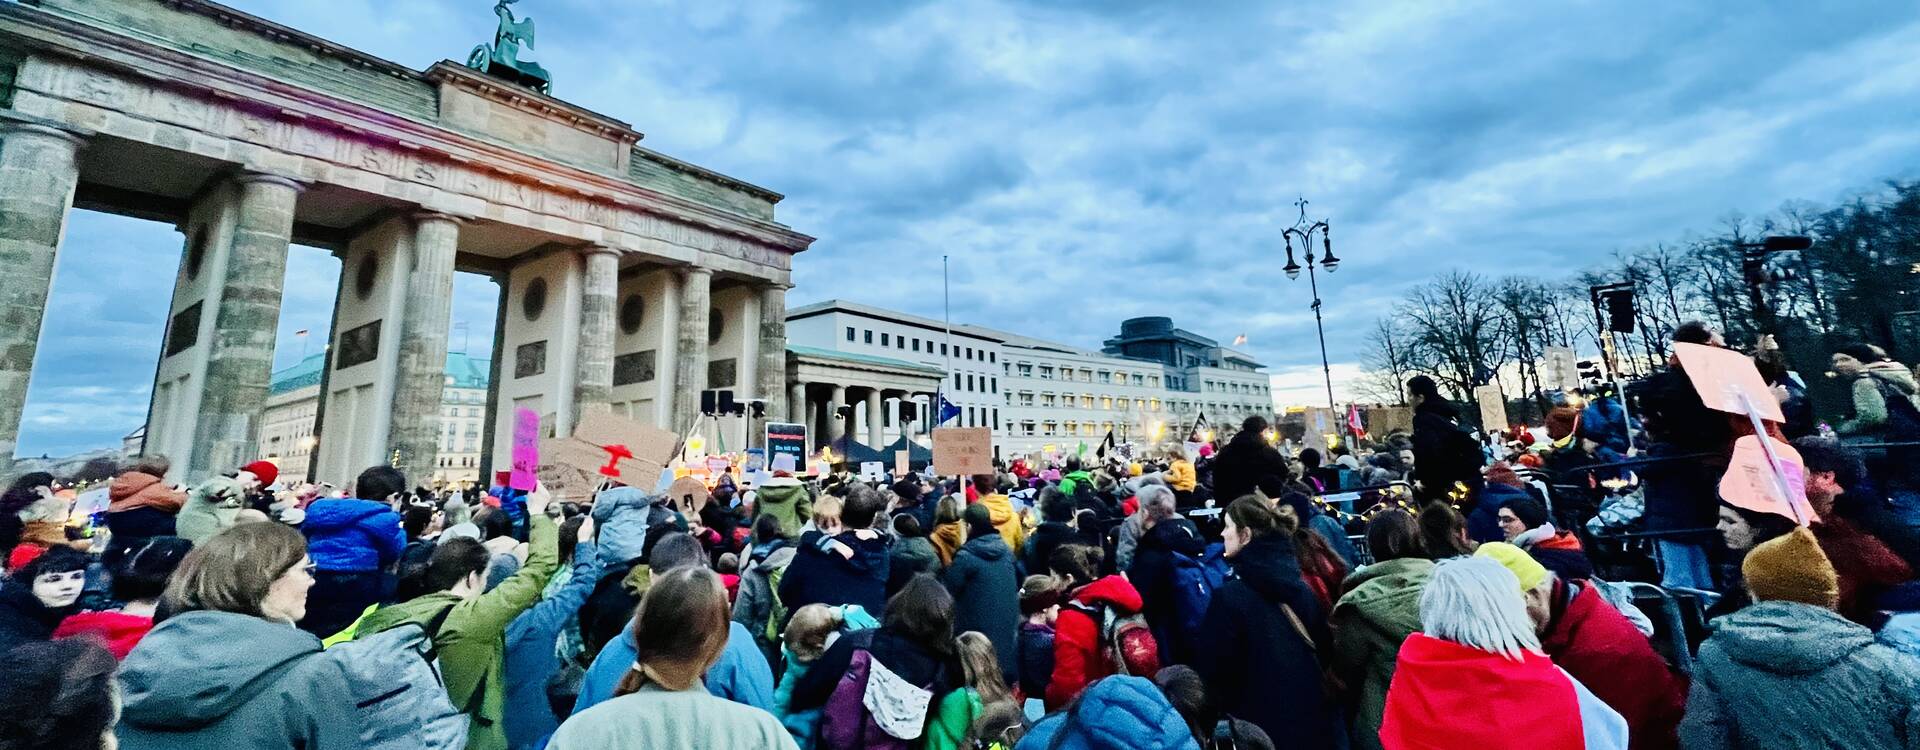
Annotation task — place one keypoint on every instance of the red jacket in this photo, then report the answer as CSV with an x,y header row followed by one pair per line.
x,y
1077,659
118,631
1865,565
1446,696
1601,648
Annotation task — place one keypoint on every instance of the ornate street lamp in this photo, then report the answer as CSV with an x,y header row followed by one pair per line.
x,y
1304,232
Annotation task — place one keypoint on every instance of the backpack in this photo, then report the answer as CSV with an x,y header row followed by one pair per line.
x,y
871,707
398,693
776,611
1194,581
1126,644
1903,418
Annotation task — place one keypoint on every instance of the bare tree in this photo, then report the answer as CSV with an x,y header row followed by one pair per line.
x,y
1389,360
1456,323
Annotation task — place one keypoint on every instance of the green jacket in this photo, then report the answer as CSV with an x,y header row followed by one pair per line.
x,y
947,727
210,509
786,499
472,642
1380,609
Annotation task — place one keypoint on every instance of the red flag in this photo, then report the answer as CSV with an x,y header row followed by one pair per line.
x,y
1354,425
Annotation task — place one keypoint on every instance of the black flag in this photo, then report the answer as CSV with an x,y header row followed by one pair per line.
x,y
1105,443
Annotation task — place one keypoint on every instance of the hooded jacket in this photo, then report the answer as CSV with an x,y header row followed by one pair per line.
x,y
1598,646
1447,696
1046,538
1248,463
946,539
1791,676
754,604
1255,659
1380,609
1117,713
531,657
1440,456
986,597
352,536
1077,657
210,508
472,642
120,631
910,556
1871,388
784,498
1152,575
821,575
621,518
141,506
1012,528
1864,564
234,682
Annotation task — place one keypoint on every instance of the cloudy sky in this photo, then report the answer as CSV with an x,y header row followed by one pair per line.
x,y
1083,161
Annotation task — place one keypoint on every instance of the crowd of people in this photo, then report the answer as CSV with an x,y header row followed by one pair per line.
x,y
1197,598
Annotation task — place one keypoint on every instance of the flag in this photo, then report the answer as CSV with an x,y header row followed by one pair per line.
x,y
1240,340
1082,450
301,332
947,410
1193,435
1105,443
1354,425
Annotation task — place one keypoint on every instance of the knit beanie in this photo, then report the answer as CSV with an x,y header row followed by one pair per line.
x,y
1792,568
1502,473
1516,560
266,472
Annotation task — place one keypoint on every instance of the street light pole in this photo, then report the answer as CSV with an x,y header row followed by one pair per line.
x,y
1313,282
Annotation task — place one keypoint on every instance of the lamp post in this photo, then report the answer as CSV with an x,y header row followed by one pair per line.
x,y
1327,261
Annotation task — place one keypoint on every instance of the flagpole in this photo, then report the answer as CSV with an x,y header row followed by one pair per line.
x,y
946,352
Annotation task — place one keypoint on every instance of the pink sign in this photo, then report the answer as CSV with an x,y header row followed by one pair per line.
x,y
526,450
1751,483
1725,378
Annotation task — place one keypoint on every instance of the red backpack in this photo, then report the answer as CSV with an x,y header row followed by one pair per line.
x,y
1126,643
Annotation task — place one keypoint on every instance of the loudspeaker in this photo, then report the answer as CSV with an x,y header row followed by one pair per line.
x,y
1620,311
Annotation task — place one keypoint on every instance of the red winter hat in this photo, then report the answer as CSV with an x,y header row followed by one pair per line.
x,y
265,470
23,554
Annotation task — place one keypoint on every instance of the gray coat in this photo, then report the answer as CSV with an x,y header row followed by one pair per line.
x,y
233,682
754,604
1789,676
986,597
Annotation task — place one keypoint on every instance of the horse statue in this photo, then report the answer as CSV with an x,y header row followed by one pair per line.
x,y
502,58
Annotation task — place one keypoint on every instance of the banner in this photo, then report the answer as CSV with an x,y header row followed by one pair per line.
x,y
962,451
784,438
1560,369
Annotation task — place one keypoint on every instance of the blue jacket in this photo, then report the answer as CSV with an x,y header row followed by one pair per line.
x,y
1606,423
530,657
1483,525
352,536
1117,713
742,674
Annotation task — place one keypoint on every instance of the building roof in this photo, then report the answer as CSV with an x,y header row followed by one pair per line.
x,y
865,359
881,313
467,372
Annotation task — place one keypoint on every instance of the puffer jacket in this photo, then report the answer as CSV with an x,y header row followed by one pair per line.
x,y
986,597
1870,392
1077,657
784,498
1253,655
754,604
1380,608
234,682
1790,676
352,536
1012,528
210,509
621,517
1117,713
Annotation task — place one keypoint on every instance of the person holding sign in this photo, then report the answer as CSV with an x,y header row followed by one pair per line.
x,y
1867,569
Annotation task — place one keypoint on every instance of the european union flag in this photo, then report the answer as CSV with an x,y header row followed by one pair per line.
x,y
947,410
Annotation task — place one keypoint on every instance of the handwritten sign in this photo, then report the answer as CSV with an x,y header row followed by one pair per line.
x,y
1560,368
688,493
629,452
526,450
873,471
1749,482
785,462
901,463
566,469
786,439
963,450
1723,376
1493,408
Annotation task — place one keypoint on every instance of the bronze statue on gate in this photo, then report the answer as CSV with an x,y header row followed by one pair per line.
x,y
502,58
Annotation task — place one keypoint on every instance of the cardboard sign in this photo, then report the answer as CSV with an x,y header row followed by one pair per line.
x,y
786,439
718,464
873,471
1560,368
1723,376
1750,482
1493,408
687,492
902,463
567,468
635,454
526,450
963,451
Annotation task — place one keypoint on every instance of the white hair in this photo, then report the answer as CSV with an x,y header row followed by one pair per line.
x,y
1476,602
1157,501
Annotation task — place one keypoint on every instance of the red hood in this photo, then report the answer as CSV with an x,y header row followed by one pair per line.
x,y
136,490
1562,540
1446,696
120,631
1113,591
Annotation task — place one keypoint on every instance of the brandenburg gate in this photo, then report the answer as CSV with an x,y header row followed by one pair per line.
x,y
631,280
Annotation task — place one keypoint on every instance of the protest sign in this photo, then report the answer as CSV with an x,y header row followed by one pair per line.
x,y
1723,377
1560,368
526,450
873,471
786,462
635,454
687,494
1750,483
963,451
901,463
788,439
1493,407
568,469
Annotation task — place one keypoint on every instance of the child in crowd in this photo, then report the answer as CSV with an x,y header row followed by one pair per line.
x,y
728,566
1040,604
957,722
809,632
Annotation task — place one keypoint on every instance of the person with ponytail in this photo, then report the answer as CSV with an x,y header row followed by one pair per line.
x,y
955,724
678,632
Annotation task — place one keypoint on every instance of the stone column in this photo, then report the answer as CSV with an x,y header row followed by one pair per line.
x,y
876,420
240,360
771,371
690,351
836,427
796,403
593,361
38,172
414,434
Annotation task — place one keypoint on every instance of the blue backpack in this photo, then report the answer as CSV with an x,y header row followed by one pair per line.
x,y
1195,580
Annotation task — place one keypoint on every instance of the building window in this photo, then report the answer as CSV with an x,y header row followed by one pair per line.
x,y
1103,377
1153,381
883,338
1047,400
1026,428
1026,370
1046,372
916,345
849,333
1072,428
996,419
869,335
993,385
1086,401
1138,379
1026,398
1155,403
1106,402
990,357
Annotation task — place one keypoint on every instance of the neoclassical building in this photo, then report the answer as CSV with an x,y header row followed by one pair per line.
x,y
631,280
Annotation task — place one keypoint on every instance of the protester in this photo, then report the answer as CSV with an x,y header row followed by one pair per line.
x,y
771,553
1012,529
1875,381
1742,530
215,504
141,505
786,500
57,695
1249,463
953,724
1526,525
1596,645
1262,630
841,565
39,595
1444,454
227,669
1080,654
1443,532
1321,567
914,642
1040,597
912,553
530,642
24,491
1867,568
1379,609
1056,528
986,588
1503,486
1477,657
1116,713
1169,541
948,530
472,620
678,633
1790,672
1687,451
139,578
353,543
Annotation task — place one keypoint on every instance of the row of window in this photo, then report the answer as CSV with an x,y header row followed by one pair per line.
x,y
455,411
1227,386
910,343
1084,375
967,381
1109,403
